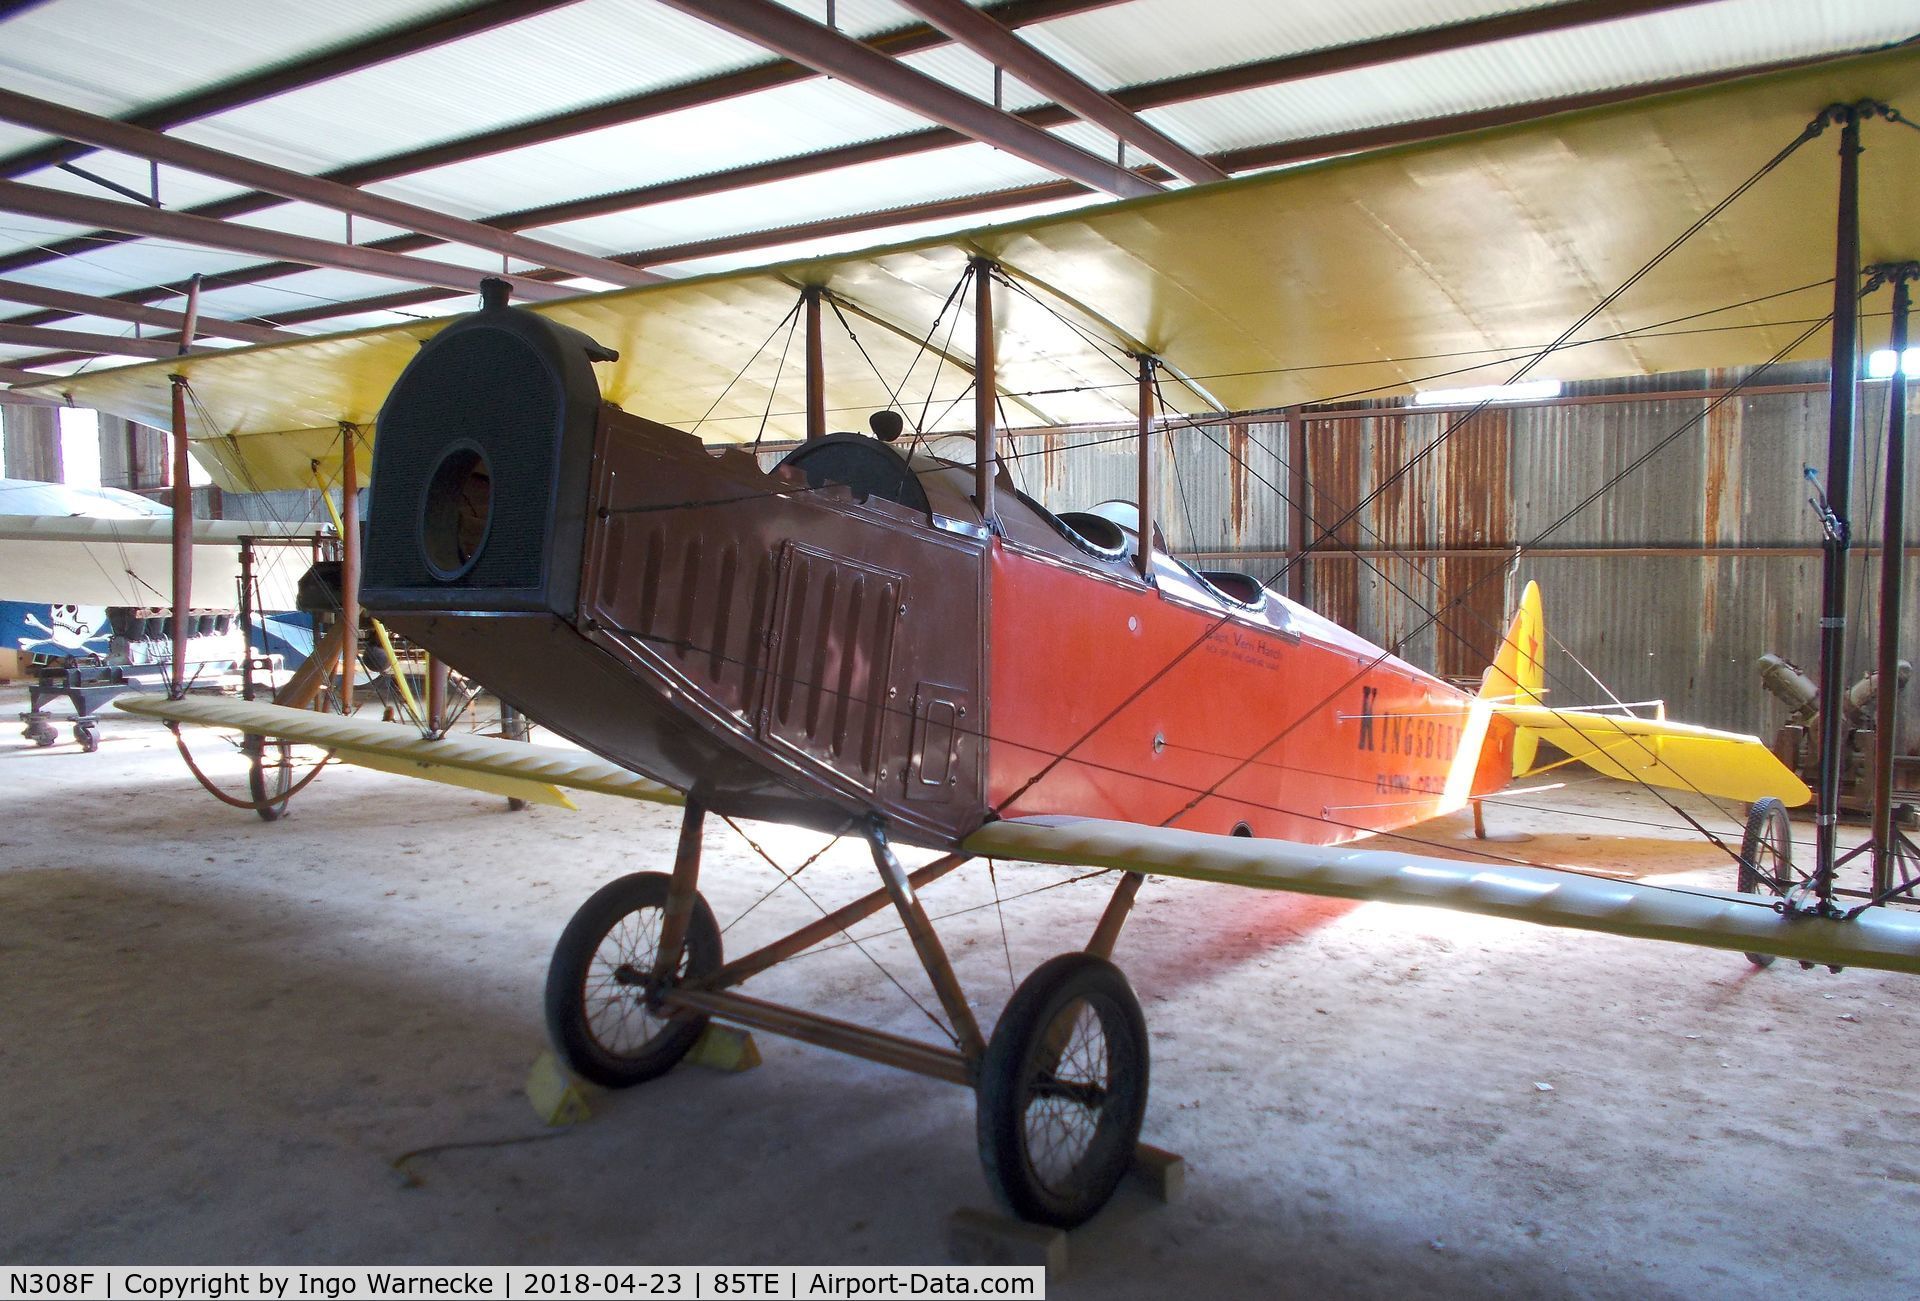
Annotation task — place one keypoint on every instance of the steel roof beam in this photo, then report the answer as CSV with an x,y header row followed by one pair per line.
x,y
278,80
93,345
14,375
1134,99
139,142
62,300
1000,47
1233,161
827,51
1173,90
1148,95
158,223
1453,36
545,130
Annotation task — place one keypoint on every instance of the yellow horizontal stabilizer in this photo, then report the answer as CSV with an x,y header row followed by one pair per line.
x,y
1659,753
1883,938
473,779
394,747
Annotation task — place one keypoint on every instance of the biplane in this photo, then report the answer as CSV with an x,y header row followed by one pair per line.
x,y
84,585
882,635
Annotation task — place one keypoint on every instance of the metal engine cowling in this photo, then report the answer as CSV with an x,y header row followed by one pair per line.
x,y
481,464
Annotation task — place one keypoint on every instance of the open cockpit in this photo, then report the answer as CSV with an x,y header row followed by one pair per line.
x,y
939,488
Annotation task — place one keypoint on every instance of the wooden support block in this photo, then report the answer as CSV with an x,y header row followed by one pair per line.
x,y
725,1048
1162,1174
976,1237
557,1098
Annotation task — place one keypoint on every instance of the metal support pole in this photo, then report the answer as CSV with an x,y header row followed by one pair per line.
x,y
349,563
182,537
985,386
246,619
1886,726
436,694
1839,482
182,504
514,725
927,944
1297,504
190,319
681,893
816,368
1144,558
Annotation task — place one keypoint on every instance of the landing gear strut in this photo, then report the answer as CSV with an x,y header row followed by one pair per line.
x,y
1060,1088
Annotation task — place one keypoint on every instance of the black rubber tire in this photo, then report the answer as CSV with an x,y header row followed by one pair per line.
x,y
1766,857
270,779
570,1021
88,735
41,734
1011,1082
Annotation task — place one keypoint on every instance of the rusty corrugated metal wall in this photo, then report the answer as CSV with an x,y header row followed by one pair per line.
x,y
1669,583
132,456
32,443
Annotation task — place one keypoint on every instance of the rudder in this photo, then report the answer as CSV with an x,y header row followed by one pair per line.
x,y
1518,671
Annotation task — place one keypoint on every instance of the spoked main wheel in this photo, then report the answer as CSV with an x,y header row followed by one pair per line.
x,y
1766,857
269,777
604,1013
1062,1091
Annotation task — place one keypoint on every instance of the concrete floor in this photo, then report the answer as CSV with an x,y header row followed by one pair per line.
x,y
217,1036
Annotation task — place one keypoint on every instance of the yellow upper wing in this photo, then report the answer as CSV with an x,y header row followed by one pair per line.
x,y
1370,271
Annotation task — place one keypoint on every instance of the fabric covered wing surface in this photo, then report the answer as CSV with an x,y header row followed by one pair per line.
x,y
1365,272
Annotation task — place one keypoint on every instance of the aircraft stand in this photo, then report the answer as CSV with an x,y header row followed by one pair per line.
x,y
1060,1085
1766,853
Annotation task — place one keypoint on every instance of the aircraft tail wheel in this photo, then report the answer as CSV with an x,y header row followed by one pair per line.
x,y
1766,857
603,1010
270,779
1062,1091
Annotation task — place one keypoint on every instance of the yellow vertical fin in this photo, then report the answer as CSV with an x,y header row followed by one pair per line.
x,y
1519,671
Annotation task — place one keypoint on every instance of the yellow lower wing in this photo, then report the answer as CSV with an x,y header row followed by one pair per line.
x,y
487,763
1887,939
1675,755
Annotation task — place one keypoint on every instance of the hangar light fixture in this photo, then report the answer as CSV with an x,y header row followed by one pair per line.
x,y
1530,391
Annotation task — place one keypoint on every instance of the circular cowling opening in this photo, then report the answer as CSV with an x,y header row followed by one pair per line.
x,y
456,511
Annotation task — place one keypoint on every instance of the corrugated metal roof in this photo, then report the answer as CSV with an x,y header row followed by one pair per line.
x,y
115,56
583,53
869,187
1686,42
112,56
1147,40
794,119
